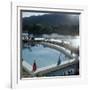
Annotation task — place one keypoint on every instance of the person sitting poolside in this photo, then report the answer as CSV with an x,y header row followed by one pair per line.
x,y
59,61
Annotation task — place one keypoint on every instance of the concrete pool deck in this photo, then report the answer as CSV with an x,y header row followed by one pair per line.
x,y
48,69
59,48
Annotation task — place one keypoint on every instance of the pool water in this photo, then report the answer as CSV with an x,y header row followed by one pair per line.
x,y
44,56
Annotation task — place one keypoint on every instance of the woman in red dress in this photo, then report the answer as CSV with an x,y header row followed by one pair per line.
x,y
34,66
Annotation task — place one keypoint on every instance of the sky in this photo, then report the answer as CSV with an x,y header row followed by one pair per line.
x,y
28,14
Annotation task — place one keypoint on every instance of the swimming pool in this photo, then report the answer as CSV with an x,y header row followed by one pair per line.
x,y
44,56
